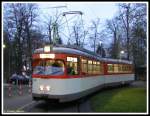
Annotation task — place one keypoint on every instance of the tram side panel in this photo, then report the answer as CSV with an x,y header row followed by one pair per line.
x,y
91,84
119,78
111,78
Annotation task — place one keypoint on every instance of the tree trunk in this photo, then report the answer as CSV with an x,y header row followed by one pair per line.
x,y
128,51
29,45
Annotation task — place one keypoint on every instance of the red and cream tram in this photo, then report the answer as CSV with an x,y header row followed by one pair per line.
x,y
66,73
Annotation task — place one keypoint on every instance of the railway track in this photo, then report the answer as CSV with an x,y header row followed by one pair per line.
x,y
49,107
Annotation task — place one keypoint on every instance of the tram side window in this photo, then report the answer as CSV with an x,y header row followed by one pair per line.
x,y
72,65
94,67
123,68
49,67
99,68
130,68
126,68
116,68
119,68
110,68
89,66
84,66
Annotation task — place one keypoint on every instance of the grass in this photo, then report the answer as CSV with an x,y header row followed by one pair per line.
x,y
123,99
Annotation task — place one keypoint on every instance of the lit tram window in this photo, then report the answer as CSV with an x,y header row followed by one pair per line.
x,y
126,68
97,68
119,68
94,67
98,63
123,68
49,67
72,66
84,61
130,68
115,68
110,68
90,67
84,66
101,68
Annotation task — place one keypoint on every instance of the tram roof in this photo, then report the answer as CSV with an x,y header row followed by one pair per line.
x,y
81,51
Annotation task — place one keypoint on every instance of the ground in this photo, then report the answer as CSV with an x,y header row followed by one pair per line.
x,y
107,100
123,99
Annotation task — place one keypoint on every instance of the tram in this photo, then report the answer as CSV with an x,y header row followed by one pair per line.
x,y
65,73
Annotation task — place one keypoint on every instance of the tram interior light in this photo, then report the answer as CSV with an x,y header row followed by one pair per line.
x,y
47,48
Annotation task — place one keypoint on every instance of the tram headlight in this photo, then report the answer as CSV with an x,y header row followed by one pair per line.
x,y
41,87
48,88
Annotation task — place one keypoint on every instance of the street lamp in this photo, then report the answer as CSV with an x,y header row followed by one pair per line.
x,y
4,46
100,42
121,52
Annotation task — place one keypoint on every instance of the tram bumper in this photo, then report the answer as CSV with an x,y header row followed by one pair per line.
x,y
58,98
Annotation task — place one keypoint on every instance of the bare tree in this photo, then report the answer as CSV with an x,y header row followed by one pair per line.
x,y
126,16
49,27
132,15
114,29
20,17
53,28
15,18
29,19
100,50
95,33
77,34
139,35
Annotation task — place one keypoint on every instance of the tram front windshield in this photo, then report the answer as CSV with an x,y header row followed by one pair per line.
x,y
48,67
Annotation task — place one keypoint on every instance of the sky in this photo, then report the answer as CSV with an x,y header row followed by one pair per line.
x,y
91,11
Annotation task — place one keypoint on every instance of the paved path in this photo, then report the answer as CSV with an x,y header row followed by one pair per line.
x,y
10,91
139,84
24,103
